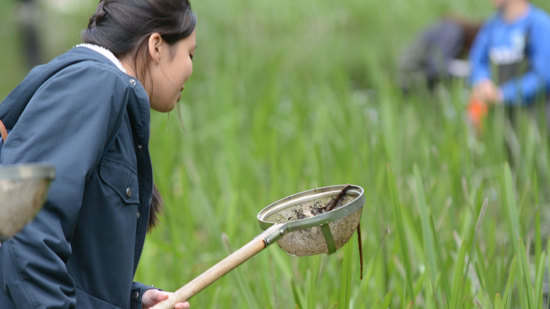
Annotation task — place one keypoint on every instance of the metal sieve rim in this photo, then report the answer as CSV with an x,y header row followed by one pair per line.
x,y
29,171
333,215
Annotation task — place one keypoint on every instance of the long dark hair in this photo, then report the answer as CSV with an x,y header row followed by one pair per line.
x,y
124,26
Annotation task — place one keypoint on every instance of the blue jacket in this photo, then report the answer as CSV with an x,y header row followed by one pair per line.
x,y
505,44
91,121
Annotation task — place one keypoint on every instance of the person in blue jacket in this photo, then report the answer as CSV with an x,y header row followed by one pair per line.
x,y
87,113
510,56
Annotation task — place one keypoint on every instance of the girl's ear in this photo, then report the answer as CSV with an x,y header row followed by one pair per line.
x,y
154,46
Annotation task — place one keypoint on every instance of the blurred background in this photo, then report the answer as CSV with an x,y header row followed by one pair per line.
x,y
291,95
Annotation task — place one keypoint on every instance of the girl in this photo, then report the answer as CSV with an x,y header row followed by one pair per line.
x,y
87,113
509,58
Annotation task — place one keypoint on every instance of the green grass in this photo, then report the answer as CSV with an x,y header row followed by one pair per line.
x,y
291,95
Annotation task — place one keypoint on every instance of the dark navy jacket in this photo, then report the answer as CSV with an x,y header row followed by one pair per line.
x,y
91,121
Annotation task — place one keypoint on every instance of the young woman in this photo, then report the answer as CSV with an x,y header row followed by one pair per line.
x,y
509,58
87,113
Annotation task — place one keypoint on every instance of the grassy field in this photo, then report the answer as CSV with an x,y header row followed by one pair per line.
x,y
291,95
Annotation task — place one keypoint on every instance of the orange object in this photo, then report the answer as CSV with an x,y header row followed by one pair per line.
x,y
477,111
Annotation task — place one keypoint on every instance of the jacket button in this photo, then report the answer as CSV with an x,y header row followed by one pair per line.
x,y
133,82
128,192
135,295
140,147
138,214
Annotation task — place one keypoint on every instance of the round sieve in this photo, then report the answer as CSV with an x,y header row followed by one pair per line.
x,y
308,229
23,188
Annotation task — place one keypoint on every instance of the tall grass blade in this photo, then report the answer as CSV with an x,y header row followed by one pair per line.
x,y
526,292
538,235
510,283
541,268
511,207
241,282
401,233
387,301
430,246
472,240
344,286
312,282
298,297
458,278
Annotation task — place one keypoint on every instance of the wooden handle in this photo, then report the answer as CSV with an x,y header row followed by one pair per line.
x,y
217,271
3,131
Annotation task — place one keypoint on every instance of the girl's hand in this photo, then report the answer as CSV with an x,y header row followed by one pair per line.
x,y
487,91
153,296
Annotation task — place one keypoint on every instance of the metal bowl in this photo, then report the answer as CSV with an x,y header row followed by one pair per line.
x,y
23,189
308,229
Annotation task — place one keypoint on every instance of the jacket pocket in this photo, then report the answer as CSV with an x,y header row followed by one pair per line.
x,y
121,179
